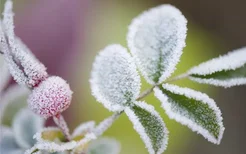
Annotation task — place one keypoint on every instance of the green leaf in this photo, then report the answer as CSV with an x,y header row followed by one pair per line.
x,y
226,71
193,109
104,146
148,123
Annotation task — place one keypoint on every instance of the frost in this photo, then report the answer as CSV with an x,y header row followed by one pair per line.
x,y
105,124
4,76
48,134
51,97
23,65
61,123
56,147
50,139
83,128
148,123
226,71
25,125
193,109
14,69
114,78
104,146
9,97
156,39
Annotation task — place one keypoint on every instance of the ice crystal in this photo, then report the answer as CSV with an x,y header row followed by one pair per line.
x,y
114,78
23,66
148,123
83,128
51,97
226,71
193,109
156,39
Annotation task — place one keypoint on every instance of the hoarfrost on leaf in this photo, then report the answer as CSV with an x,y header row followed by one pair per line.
x,y
156,39
49,134
25,125
23,65
83,128
104,146
148,123
52,139
226,71
114,78
193,109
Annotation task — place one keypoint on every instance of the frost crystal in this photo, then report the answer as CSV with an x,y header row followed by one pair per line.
x,y
193,109
52,146
114,78
148,123
228,70
23,66
51,97
83,128
156,39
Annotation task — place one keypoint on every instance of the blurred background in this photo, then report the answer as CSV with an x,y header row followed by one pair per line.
x,y
66,35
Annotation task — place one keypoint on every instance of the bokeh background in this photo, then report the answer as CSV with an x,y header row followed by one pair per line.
x,y
66,35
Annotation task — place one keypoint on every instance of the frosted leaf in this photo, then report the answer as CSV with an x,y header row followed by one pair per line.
x,y
25,125
14,69
148,123
12,95
56,147
31,71
83,128
33,68
156,39
193,109
52,139
114,78
7,143
104,146
226,71
49,134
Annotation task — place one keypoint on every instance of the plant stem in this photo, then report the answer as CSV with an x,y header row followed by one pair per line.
x,y
150,90
106,123
61,123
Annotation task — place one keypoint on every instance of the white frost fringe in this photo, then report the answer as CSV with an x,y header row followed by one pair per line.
x,y
230,61
158,33
185,120
141,130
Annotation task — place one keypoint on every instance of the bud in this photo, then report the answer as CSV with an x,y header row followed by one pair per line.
x,y
51,97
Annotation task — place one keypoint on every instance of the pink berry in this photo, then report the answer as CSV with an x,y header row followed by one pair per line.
x,y
51,97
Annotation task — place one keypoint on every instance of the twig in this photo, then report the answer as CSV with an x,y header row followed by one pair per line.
x,y
61,123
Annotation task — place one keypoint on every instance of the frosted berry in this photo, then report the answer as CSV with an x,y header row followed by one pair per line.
x,y
51,97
